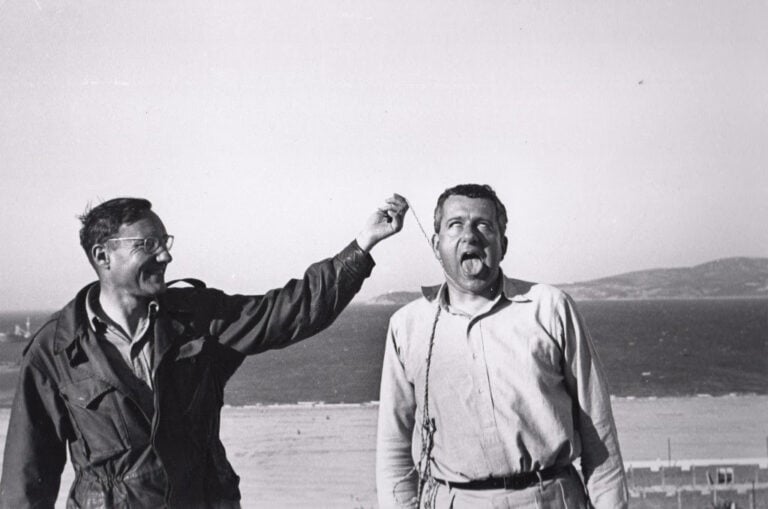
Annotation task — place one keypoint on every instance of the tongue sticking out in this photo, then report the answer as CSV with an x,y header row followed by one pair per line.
x,y
472,266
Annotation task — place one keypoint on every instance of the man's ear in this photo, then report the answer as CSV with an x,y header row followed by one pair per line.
x,y
100,256
436,245
504,244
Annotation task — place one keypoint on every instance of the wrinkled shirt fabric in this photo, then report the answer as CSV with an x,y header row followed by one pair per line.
x,y
130,451
136,351
516,388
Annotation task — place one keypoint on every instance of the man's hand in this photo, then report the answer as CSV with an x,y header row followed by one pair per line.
x,y
386,221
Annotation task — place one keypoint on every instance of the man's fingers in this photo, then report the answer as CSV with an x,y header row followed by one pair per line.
x,y
386,221
397,204
385,213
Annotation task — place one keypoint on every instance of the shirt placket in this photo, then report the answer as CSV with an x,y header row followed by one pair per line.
x,y
139,353
479,371
491,439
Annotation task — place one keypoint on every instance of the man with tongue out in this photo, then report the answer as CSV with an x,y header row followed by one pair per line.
x,y
491,388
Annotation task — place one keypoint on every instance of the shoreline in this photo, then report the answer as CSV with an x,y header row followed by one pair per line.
x,y
375,403
6,399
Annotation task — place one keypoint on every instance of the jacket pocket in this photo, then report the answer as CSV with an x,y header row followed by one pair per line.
x,y
95,410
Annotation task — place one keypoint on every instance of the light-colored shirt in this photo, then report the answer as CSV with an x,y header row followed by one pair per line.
x,y
516,388
135,351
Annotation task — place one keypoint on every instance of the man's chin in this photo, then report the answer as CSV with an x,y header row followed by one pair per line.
x,y
478,284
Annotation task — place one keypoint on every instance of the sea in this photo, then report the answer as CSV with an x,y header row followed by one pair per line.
x,y
648,348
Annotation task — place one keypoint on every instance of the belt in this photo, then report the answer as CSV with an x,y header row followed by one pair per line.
x,y
512,482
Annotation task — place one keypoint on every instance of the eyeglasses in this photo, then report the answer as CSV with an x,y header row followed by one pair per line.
x,y
150,245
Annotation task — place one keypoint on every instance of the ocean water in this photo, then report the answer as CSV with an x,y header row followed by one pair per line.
x,y
647,348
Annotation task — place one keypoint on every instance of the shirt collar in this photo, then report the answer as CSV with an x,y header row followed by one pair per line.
x,y
514,290
97,317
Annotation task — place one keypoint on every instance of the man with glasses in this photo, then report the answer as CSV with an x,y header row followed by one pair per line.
x,y
130,374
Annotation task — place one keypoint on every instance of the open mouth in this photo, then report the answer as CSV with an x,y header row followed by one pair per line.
x,y
472,263
155,271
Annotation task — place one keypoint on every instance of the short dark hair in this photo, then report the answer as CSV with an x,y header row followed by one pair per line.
x,y
104,220
472,191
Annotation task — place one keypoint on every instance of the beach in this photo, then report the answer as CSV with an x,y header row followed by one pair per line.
x,y
309,456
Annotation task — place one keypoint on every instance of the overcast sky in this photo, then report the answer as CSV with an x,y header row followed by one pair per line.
x,y
621,135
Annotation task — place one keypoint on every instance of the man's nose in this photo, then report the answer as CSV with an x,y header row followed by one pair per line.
x,y
163,255
470,233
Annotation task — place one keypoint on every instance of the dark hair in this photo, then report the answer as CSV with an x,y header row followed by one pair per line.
x,y
472,191
104,220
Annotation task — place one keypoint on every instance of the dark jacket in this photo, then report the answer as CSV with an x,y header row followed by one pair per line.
x,y
126,454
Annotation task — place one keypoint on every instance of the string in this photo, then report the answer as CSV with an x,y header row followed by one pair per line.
x,y
428,429
426,485
418,222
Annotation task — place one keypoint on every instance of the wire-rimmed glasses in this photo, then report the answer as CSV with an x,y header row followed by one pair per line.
x,y
150,245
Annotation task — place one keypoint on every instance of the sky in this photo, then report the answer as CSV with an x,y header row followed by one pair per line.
x,y
621,135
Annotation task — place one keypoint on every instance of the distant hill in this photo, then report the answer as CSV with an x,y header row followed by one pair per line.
x,y
399,298
724,278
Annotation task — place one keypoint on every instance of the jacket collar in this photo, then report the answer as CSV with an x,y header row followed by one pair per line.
x,y
72,324
96,315
515,290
